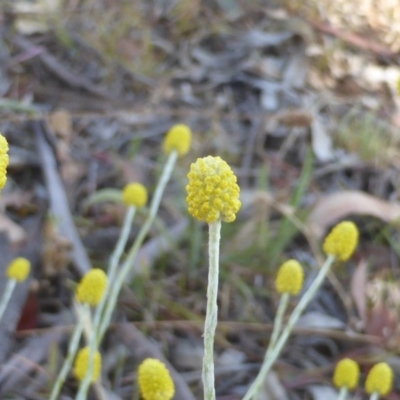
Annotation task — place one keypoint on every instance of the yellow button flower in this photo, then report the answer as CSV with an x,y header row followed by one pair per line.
x,y
290,278
178,138
92,287
155,381
19,269
3,160
81,364
379,379
342,240
212,192
347,374
134,194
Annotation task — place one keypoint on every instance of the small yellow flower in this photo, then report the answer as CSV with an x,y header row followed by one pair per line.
x,y
342,240
212,191
347,374
81,364
92,287
178,138
134,194
155,381
398,86
290,278
3,160
19,269
379,379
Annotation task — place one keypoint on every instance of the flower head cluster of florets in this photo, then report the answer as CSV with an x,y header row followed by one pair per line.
x,y
212,191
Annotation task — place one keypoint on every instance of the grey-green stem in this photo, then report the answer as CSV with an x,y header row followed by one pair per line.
x,y
210,324
304,301
343,393
126,266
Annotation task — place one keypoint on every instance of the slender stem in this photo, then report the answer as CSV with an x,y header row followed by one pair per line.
x,y
10,286
273,355
126,266
114,262
374,396
343,393
210,324
72,348
85,383
283,303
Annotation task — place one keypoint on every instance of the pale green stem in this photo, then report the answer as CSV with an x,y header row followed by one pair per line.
x,y
126,266
343,393
283,304
85,383
210,324
114,262
10,286
273,355
374,396
72,349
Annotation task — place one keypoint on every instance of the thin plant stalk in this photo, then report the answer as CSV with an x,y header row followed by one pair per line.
x,y
374,396
114,262
72,349
273,355
85,383
210,324
343,393
283,304
10,286
126,266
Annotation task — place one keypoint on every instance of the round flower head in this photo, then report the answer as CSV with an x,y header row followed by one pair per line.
x,y
290,278
379,379
81,364
92,287
178,138
347,374
342,240
155,381
3,160
212,192
19,269
134,194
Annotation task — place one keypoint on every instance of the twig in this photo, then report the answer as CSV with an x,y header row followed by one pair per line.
x,y
58,69
354,40
59,202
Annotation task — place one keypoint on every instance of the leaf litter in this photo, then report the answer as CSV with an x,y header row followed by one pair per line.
x,y
262,85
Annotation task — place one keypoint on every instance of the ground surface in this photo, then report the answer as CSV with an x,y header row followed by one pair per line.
x,y
302,101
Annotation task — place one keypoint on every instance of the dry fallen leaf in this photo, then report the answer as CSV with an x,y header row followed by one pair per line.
x,y
357,288
334,207
56,250
321,141
16,235
61,123
32,16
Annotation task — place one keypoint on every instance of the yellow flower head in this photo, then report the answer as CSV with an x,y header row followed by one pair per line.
x,y
178,138
19,269
155,381
92,287
81,364
290,278
379,379
212,191
347,374
342,240
134,194
398,86
3,160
